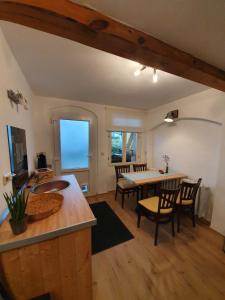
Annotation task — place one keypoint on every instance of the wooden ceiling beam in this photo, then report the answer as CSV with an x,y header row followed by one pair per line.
x,y
84,25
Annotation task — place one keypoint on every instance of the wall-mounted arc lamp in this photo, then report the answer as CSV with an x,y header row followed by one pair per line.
x,y
171,116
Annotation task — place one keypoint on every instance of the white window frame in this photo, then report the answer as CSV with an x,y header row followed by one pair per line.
x,y
138,149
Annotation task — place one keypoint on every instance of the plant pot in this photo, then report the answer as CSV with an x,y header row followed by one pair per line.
x,y
20,226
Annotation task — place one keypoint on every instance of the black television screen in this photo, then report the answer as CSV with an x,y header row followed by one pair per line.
x,y
18,156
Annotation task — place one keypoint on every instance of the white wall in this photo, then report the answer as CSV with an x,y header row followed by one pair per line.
x,y
12,78
42,111
218,217
195,146
191,145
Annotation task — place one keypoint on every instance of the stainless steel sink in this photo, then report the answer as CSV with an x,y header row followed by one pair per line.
x,y
51,186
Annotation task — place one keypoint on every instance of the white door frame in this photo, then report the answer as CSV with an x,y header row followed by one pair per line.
x,y
81,114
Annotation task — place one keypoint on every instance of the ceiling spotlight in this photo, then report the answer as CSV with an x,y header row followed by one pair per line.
x,y
139,70
155,76
137,73
171,116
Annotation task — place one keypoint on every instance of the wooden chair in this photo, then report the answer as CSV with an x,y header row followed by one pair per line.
x,y
123,186
140,167
160,209
186,200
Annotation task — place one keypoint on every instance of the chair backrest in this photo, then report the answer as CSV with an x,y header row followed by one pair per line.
x,y
121,169
171,184
188,190
139,167
167,198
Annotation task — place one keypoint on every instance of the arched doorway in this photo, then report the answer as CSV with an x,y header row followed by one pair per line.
x,y
75,145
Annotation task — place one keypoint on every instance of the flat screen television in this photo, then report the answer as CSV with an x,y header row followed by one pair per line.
x,y
18,156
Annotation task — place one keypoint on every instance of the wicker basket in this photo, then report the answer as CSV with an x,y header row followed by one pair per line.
x,y
43,205
44,174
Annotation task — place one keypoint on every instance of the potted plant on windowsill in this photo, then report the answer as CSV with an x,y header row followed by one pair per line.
x,y
17,204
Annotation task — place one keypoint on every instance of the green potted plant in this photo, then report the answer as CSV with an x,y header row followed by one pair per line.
x,y
17,204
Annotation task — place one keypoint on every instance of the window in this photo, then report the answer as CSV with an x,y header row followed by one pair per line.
x,y
131,147
117,147
123,147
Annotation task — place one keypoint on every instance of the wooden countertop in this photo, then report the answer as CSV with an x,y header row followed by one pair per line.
x,y
75,214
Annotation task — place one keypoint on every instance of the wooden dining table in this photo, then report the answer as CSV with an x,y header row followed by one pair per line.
x,y
155,178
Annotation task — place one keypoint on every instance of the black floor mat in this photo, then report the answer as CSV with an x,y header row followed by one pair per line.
x,y
109,231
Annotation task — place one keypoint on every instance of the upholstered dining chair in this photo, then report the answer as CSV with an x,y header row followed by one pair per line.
x,y
186,200
160,209
140,167
124,186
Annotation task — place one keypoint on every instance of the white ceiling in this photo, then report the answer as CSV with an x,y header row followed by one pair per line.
x,y
58,67
195,26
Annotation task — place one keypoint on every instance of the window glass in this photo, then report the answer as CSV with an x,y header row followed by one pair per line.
x,y
74,143
131,147
117,147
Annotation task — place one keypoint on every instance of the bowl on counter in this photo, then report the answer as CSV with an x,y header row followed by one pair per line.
x,y
50,186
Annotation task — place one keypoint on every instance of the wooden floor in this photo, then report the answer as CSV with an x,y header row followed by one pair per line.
x,y
189,266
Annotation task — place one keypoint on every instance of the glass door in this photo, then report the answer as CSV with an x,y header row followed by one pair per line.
x,y
74,144
74,150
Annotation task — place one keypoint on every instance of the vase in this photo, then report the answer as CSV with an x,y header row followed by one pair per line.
x,y
19,226
167,168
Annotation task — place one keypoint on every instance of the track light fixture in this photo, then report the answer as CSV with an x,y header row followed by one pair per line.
x,y
155,76
137,73
142,68
139,70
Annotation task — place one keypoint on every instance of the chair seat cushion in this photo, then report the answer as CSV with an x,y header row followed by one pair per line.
x,y
184,202
126,184
152,204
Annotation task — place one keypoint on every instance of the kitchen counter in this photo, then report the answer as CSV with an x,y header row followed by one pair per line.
x,y
54,254
74,215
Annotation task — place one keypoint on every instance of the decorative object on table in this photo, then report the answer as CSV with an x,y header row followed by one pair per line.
x,y
171,116
17,204
43,205
41,161
166,159
17,98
